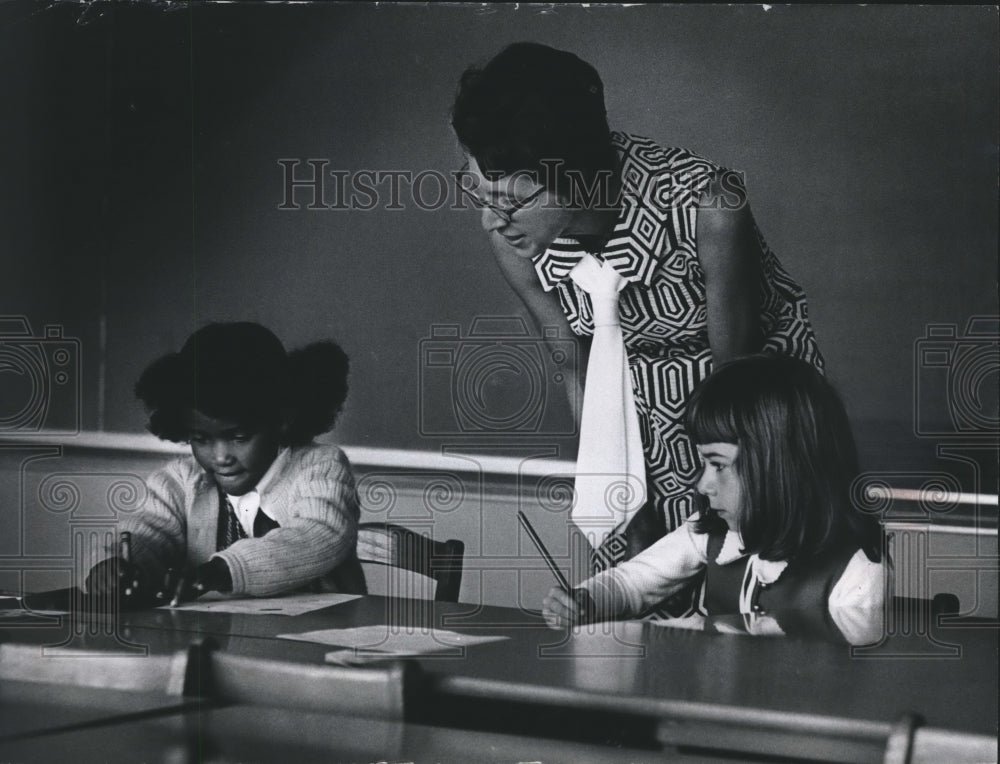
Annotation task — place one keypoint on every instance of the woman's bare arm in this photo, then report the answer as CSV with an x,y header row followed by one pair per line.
x,y
730,256
545,311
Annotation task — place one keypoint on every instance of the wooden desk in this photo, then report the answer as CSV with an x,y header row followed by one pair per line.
x,y
634,684
29,709
255,734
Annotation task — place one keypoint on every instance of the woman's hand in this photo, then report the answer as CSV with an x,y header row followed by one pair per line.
x,y
376,546
519,272
568,609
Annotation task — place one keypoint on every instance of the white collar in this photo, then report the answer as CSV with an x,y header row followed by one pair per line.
x,y
765,571
732,548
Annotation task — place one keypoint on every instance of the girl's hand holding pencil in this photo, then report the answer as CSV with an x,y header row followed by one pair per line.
x,y
119,577
561,608
189,583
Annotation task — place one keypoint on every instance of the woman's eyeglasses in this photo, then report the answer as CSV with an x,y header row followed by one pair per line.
x,y
506,212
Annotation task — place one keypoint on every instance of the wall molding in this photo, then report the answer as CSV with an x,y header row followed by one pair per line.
x,y
365,456
505,468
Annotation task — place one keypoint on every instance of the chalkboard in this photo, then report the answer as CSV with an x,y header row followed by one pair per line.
x,y
160,159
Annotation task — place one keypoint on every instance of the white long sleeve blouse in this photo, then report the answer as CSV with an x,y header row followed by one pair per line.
x,y
636,585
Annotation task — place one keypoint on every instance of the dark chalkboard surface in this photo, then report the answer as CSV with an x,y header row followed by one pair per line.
x,y
157,167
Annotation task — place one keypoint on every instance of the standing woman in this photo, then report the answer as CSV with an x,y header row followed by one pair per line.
x,y
574,210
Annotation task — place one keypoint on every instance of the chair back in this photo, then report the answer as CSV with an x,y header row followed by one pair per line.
x,y
80,668
399,547
943,603
376,691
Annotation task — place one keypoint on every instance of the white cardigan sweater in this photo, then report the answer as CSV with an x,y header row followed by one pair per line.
x,y
310,492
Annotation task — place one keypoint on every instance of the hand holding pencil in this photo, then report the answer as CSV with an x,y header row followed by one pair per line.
x,y
563,606
189,583
119,577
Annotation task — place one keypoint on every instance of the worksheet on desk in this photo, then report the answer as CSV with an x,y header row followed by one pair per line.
x,y
396,641
293,604
13,608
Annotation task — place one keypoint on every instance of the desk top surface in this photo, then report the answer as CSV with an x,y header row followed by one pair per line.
x,y
947,675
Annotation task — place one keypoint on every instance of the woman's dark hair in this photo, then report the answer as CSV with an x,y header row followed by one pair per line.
x,y
534,108
797,458
241,372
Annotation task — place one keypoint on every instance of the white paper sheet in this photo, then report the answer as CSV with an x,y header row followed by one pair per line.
x,y
382,642
14,607
293,604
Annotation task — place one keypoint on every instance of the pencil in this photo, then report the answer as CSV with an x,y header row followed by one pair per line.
x,y
563,583
125,554
125,544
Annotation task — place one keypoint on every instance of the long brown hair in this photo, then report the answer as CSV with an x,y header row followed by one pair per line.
x,y
797,458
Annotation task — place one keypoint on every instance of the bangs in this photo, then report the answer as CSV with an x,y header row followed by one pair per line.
x,y
711,421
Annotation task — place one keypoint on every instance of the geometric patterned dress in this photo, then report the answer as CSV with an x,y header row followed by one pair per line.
x,y
664,317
